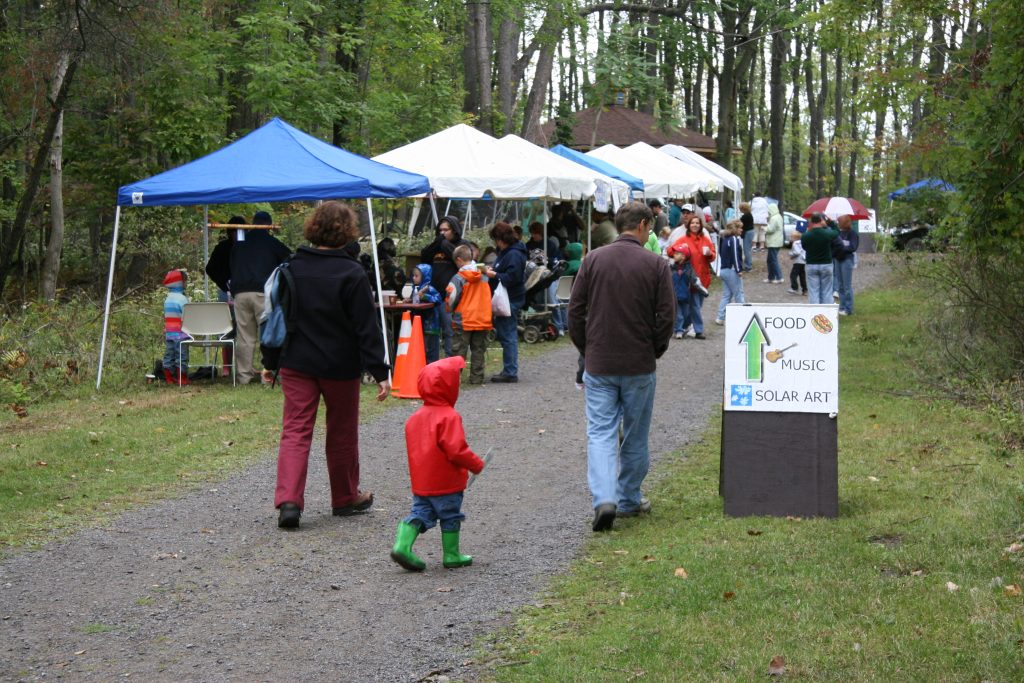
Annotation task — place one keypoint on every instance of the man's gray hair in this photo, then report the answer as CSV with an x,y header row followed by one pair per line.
x,y
631,214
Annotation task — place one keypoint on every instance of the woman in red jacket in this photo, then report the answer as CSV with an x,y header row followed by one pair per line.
x,y
702,252
438,462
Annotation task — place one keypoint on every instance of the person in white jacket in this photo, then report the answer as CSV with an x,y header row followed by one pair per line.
x,y
759,210
799,258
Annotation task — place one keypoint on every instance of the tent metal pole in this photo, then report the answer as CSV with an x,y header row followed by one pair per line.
x,y
494,214
447,208
433,208
380,294
412,220
206,249
469,216
590,222
110,289
545,245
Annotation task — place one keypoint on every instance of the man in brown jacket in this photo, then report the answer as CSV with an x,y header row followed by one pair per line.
x,y
621,313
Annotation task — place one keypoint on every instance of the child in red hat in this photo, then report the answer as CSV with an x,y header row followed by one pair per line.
x,y
175,366
438,462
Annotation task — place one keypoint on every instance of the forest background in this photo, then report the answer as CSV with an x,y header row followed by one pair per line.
x,y
820,98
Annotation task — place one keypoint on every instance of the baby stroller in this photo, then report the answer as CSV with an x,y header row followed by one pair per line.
x,y
535,318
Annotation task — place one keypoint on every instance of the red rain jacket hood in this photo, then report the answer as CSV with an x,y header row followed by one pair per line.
x,y
435,440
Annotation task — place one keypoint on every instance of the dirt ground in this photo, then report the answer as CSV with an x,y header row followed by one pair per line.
x,y
206,588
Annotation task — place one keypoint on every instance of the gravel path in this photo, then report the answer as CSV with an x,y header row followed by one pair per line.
x,y
206,588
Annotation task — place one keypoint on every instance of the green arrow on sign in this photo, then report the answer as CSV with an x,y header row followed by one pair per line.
x,y
755,339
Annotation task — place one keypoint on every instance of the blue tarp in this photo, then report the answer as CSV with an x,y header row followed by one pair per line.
x,y
599,166
274,163
927,183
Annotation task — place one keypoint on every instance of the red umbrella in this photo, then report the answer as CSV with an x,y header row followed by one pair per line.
x,y
834,207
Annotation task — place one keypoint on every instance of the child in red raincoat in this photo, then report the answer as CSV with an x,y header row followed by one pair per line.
x,y
438,462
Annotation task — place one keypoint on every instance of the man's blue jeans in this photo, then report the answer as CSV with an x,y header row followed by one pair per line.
x,y
615,471
819,283
507,331
748,247
844,283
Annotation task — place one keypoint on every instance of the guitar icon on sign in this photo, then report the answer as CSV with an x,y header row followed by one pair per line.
x,y
773,356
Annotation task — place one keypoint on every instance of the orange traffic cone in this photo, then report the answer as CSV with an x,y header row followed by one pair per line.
x,y
404,332
415,361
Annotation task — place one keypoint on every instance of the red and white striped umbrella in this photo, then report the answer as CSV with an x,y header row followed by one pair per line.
x,y
834,207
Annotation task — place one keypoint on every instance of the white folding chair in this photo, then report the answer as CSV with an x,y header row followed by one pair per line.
x,y
208,326
564,288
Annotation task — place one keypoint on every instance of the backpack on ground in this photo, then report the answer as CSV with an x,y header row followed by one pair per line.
x,y
279,315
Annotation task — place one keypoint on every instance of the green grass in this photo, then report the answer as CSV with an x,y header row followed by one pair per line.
x,y
928,495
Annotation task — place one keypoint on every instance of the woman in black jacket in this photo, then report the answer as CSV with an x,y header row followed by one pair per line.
x,y
335,339
438,255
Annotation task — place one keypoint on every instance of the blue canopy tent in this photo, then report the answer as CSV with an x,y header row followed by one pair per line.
x,y
276,162
599,166
926,184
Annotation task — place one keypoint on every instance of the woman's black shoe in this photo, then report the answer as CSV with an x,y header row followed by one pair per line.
x,y
288,516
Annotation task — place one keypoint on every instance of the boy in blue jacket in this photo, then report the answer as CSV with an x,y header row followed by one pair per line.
x,y
424,292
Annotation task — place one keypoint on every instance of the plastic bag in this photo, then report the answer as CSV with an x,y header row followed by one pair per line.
x,y
500,306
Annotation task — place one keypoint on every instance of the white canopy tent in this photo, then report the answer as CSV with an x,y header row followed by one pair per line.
x,y
663,177
462,162
707,181
688,156
616,191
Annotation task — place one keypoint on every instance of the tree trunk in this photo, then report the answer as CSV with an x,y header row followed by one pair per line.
x,y
483,65
470,78
733,20
349,62
651,56
838,128
851,190
548,34
508,37
794,120
51,261
777,95
11,245
820,134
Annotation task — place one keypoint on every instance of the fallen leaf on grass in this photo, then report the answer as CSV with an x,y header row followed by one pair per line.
x,y
1014,547
728,595
777,666
791,518
228,443
681,573
917,572
1012,591
872,478
952,587
650,558
41,463
620,552
754,532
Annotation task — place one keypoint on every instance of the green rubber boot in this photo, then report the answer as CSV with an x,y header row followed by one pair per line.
x,y
452,557
402,553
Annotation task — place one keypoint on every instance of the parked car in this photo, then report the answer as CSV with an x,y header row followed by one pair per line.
x,y
912,237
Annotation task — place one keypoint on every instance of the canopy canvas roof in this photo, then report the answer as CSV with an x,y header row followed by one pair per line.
x,y
600,166
706,179
462,162
728,178
925,184
276,162
608,187
663,176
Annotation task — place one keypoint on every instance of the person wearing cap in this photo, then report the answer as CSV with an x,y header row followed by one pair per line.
x,y
687,211
175,367
660,219
439,255
603,230
254,255
621,342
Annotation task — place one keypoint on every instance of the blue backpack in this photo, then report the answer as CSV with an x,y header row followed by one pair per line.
x,y
279,315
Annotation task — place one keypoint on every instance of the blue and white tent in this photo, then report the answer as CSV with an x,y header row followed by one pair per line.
x,y
274,163
600,166
926,184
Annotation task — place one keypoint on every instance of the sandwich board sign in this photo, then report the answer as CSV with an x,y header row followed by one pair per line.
x,y
780,402
782,358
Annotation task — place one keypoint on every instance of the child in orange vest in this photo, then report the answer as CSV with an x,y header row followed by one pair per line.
x,y
469,302
438,460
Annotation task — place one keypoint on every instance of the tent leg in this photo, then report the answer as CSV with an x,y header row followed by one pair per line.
x,y
380,294
110,289
448,208
206,249
433,209
469,216
589,223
